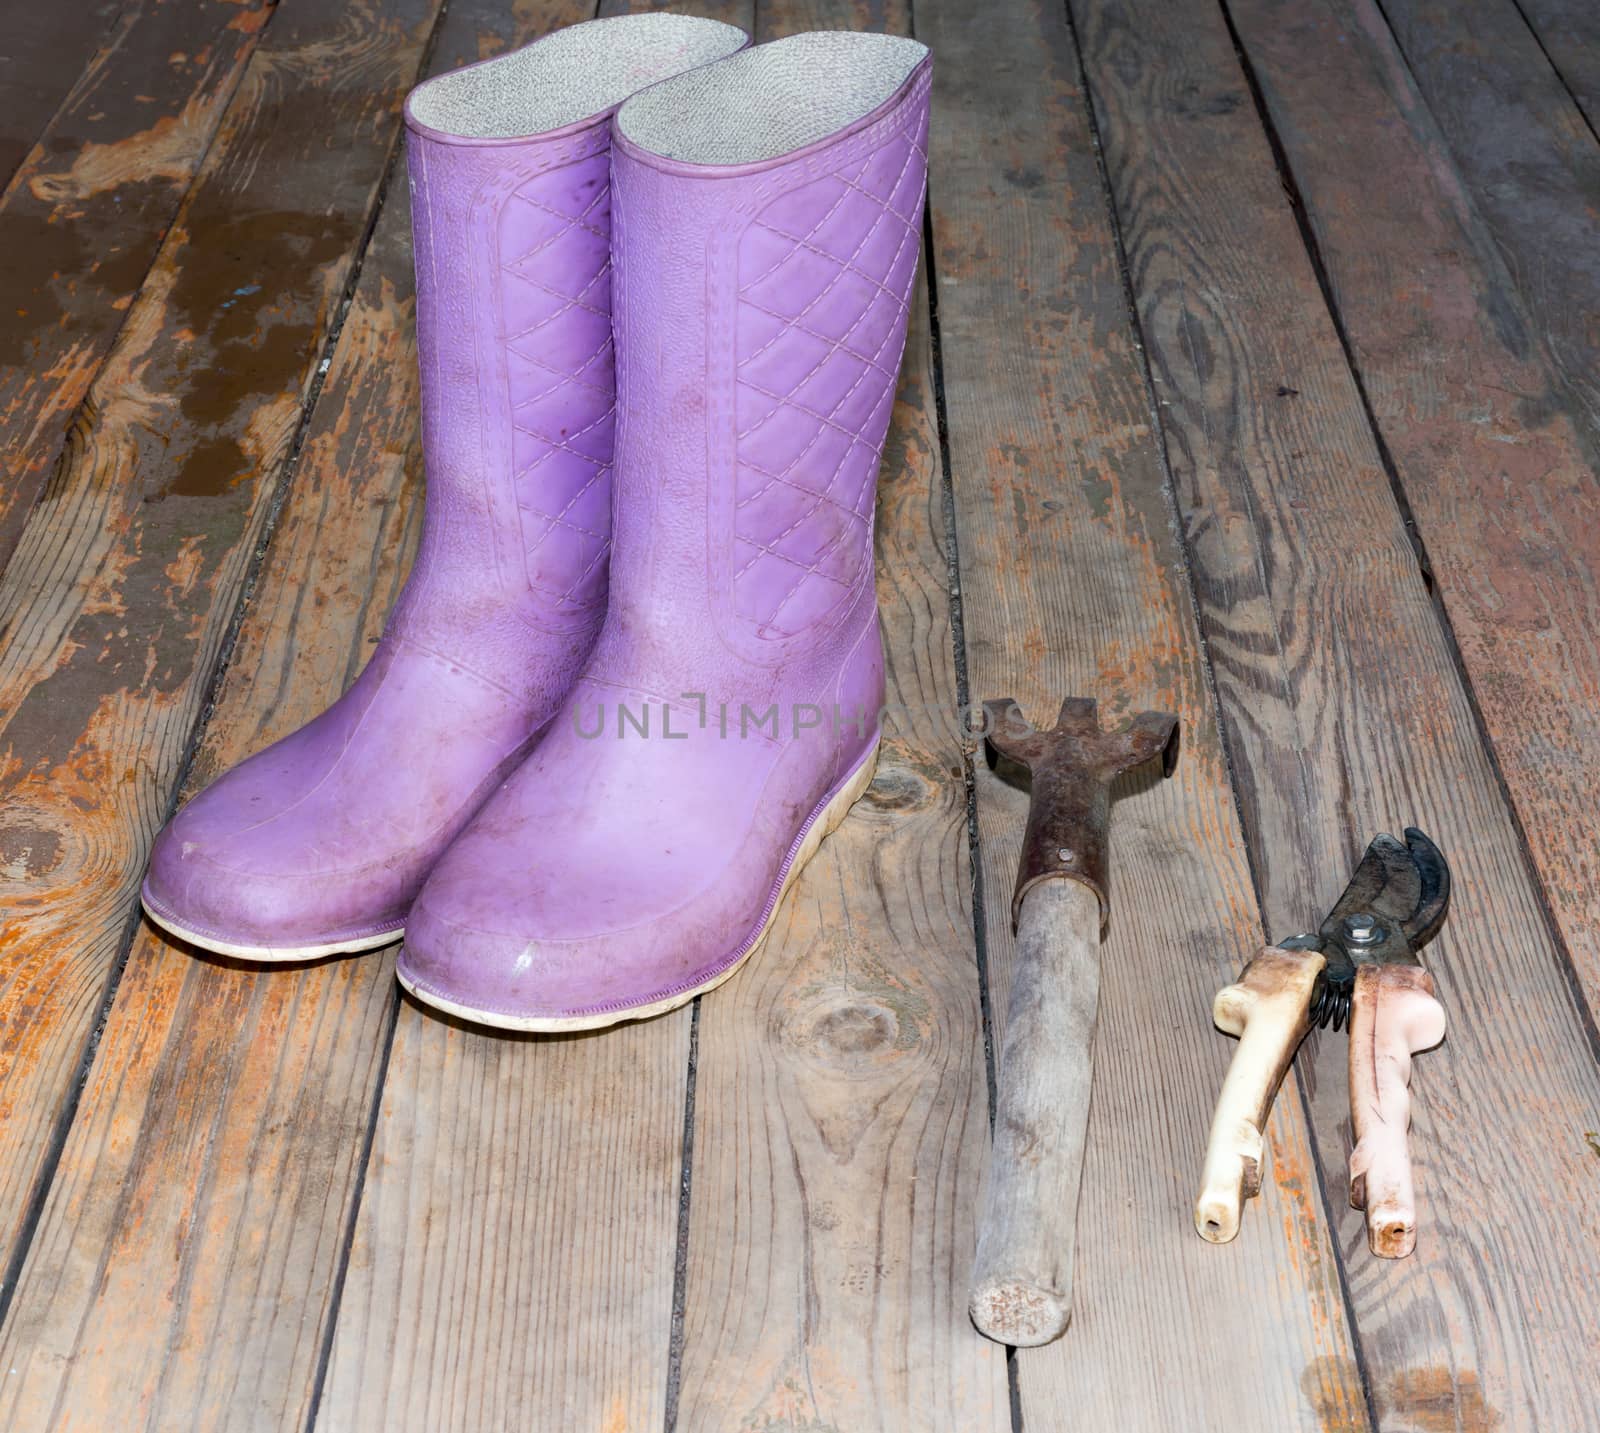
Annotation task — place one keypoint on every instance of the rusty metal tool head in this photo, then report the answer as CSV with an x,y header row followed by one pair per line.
x,y
1072,767
1022,1270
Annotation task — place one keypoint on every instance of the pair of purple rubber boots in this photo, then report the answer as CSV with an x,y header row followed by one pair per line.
x,y
635,676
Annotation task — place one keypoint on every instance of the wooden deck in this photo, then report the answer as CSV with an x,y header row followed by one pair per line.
x,y
1254,376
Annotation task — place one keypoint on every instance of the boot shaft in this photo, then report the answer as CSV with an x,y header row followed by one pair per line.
x,y
514,344
509,172
767,220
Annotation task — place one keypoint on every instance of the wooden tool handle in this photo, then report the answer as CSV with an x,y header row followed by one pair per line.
x,y
1022,1276
1393,1015
1267,1009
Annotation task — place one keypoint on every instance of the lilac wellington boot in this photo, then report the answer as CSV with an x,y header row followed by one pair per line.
x,y
319,843
766,221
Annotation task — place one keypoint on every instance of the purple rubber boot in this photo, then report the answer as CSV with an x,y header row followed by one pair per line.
x,y
319,843
766,219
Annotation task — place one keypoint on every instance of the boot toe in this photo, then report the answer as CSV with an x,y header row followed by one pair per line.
x,y
603,884
472,949
488,976
503,949
207,903
208,887
248,868
317,844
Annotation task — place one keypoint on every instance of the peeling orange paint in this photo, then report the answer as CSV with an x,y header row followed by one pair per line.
x,y
168,150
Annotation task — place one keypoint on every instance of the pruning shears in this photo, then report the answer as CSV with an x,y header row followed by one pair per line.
x,y
1359,967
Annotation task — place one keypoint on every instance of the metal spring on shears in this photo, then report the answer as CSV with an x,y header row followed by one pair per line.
x,y
1330,1004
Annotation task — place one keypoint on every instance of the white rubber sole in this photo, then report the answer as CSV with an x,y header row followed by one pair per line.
x,y
272,954
822,826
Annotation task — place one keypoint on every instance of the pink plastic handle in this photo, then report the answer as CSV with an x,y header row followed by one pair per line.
x,y
1393,1015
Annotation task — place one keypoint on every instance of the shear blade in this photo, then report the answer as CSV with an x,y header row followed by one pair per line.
x,y
1405,886
1433,901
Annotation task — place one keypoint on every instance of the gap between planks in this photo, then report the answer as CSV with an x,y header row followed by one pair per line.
x,y
1426,570
1065,499
187,974
1362,746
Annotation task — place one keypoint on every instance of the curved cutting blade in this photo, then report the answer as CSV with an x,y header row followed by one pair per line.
x,y
1433,902
1394,903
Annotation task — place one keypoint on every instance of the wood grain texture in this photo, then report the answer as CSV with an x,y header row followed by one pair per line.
x,y
1072,584
1480,427
513,1260
118,598
1345,716
84,216
207,1178
1569,33
841,1106
222,1132
1527,156
514,1253
43,51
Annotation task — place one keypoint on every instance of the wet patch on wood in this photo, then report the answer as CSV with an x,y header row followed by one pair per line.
x,y
85,215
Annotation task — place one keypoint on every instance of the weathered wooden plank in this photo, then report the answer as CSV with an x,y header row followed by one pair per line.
x,y
204,1185
84,216
117,600
841,1105
222,1133
1073,584
43,51
1569,33
730,12
1479,428
1345,715
1526,155
514,1253
513,1261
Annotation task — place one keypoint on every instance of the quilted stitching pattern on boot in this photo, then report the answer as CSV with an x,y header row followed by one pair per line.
x,y
557,322
824,275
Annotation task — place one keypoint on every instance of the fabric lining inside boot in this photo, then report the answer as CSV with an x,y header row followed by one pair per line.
x,y
568,76
771,100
